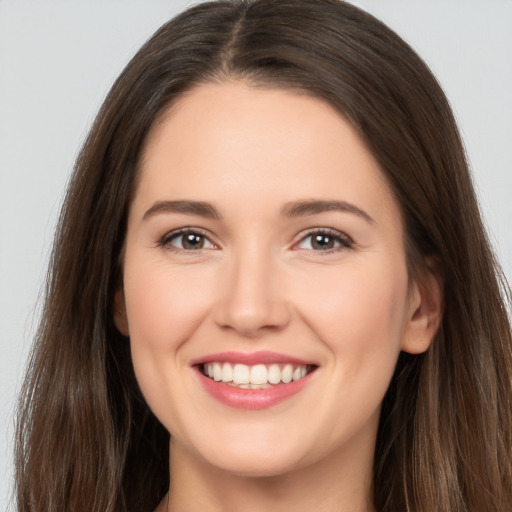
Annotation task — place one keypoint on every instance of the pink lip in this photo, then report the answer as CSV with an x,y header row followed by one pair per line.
x,y
252,399
262,357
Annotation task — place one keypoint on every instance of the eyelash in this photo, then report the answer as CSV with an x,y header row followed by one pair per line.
x,y
166,240
343,241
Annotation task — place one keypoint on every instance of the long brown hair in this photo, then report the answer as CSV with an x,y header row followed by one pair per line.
x,y
86,440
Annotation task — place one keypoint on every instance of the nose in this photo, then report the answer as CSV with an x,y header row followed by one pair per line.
x,y
252,298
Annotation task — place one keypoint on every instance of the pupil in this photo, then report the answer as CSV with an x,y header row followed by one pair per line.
x,y
322,242
192,241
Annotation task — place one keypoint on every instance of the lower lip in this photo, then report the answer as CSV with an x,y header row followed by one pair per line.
x,y
252,399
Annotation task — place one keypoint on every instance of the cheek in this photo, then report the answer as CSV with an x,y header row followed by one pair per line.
x,y
164,305
359,316
359,312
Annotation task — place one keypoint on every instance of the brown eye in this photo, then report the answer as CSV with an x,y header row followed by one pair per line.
x,y
322,242
187,241
325,240
192,241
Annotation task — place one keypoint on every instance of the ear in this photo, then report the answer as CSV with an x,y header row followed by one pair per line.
x,y
425,310
120,316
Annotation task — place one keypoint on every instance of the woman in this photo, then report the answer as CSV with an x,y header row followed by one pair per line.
x,y
271,250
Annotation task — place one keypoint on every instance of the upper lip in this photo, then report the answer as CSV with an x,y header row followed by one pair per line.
x,y
250,358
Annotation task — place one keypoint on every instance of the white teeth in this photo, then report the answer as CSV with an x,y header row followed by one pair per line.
x,y
240,374
258,374
274,374
254,377
250,386
227,372
217,372
260,386
287,373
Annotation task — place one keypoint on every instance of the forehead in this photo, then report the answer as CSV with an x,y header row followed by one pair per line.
x,y
237,140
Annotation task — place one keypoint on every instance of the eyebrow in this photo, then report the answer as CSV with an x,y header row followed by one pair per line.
x,y
293,209
200,208
313,207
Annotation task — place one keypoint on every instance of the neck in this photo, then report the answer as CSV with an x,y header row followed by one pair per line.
x,y
328,485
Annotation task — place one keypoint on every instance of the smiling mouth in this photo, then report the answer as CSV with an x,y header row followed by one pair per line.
x,y
258,376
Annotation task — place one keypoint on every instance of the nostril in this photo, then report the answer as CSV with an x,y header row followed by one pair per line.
x,y
250,322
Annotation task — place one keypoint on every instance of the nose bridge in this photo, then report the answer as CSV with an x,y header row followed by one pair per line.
x,y
252,297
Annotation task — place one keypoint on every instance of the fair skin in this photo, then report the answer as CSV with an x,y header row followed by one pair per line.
x,y
292,245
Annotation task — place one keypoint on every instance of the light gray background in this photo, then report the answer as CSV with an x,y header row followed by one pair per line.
x,y
58,59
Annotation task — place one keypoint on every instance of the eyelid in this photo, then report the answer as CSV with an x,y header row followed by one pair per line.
x,y
345,241
164,240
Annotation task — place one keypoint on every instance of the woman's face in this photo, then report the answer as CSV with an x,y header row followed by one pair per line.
x,y
264,246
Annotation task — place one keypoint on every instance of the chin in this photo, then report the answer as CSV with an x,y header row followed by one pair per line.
x,y
248,459
257,467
